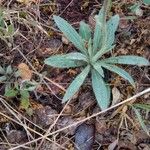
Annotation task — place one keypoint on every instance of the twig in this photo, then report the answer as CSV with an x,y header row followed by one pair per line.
x,y
94,115
23,124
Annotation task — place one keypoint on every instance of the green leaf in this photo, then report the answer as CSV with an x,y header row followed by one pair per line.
x,y
120,72
112,25
9,70
90,50
10,30
142,106
70,33
98,31
134,7
98,68
2,23
76,56
65,61
141,121
31,88
2,71
146,2
11,93
128,59
85,31
108,92
76,84
100,89
24,99
24,94
29,85
102,52
2,78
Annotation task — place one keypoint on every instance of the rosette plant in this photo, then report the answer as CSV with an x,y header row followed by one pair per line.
x,y
91,49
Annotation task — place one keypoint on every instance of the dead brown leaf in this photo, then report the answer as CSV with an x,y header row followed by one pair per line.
x,y
25,72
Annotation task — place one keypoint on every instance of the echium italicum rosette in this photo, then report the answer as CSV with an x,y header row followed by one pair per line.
x,y
89,58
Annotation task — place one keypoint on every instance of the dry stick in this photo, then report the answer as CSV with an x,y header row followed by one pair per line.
x,y
22,124
66,8
94,115
50,128
17,117
30,129
35,71
19,114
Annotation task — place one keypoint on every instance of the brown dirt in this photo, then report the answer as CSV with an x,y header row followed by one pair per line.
x,y
132,38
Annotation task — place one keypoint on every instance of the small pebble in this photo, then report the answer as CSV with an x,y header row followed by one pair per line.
x,y
84,137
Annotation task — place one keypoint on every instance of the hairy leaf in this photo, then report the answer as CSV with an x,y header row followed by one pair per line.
x,y
76,84
76,56
9,70
120,72
90,50
98,31
112,25
102,52
141,121
66,61
11,93
98,68
146,2
2,78
70,33
128,59
24,99
10,30
85,31
2,70
100,89
142,106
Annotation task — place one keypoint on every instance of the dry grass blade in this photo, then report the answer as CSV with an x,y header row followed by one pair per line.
x,y
24,125
94,115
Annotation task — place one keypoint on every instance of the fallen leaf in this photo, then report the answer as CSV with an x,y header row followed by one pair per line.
x,y
25,72
116,95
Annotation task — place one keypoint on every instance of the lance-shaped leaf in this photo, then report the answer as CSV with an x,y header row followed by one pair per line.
x,y
66,61
90,49
102,52
100,89
98,31
111,28
3,78
24,99
141,121
9,70
128,60
76,84
2,70
76,56
120,72
70,33
85,31
142,106
98,68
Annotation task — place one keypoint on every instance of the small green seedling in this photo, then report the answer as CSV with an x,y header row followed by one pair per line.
x,y
137,108
23,91
7,29
92,48
13,88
